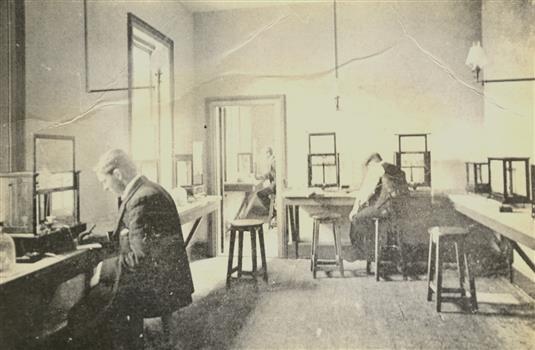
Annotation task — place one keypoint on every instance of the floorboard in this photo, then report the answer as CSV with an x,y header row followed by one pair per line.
x,y
295,311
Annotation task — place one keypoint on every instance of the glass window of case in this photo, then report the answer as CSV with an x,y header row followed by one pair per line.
x,y
414,159
509,179
323,161
16,202
56,180
198,157
49,193
477,177
183,170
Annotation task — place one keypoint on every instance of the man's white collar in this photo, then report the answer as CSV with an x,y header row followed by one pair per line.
x,y
129,186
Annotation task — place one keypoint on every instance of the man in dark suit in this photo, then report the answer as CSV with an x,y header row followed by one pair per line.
x,y
148,274
383,192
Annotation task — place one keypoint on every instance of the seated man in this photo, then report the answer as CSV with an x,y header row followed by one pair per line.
x,y
148,273
382,183
263,194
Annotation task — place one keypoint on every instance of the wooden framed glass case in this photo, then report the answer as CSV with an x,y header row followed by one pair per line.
x,y
509,179
414,158
533,191
323,160
48,195
477,177
41,208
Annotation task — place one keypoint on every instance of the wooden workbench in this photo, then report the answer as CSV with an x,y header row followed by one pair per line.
x,y
195,211
517,227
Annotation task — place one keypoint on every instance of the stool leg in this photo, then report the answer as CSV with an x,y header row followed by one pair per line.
x,y
263,252
271,207
338,248
315,256
230,256
438,270
459,254
312,247
377,250
240,253
401,254
430,274
472,283
166,326
295,229
253,250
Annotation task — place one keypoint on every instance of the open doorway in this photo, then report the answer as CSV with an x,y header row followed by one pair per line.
x,y
243,130
151,91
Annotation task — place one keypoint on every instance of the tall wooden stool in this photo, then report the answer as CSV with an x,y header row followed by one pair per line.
x,y
393,242
327,218
439,235
254,227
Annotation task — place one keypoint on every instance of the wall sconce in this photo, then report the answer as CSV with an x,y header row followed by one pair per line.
x,y
477,59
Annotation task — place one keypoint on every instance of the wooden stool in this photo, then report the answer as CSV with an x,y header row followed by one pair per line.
x,y
246,225
438,236
393,241
328,218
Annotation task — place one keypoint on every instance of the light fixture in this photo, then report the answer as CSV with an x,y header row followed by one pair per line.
x,y
335,31
477,60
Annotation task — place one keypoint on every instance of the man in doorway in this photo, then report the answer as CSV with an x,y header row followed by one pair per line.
x,y
265,193
148,274
383,190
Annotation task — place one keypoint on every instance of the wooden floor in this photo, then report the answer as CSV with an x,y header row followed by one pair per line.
x,y
294,311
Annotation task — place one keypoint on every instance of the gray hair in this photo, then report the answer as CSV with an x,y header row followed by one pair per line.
x,y
116,159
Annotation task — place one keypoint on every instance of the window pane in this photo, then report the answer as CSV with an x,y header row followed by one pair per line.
x,y
518,170
483,175
198,162
323,160
317,175
330,175
49,181
412,143
54,155
62,206
183,173
414,175
470,175
144,127
16,196
496,176
412,159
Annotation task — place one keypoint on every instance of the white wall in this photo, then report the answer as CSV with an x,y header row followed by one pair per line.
x,y
55,81
509,41
289,50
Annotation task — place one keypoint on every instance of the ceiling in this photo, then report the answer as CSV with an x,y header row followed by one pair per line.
x,y
220,5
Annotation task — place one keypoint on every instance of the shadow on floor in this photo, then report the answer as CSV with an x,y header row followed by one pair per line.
x,y
212,322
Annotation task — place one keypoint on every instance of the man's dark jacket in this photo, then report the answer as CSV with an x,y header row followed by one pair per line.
x,y
149,272
154,271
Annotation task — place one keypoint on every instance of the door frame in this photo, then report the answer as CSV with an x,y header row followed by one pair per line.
x,y
280,149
